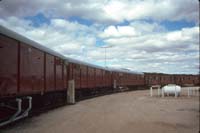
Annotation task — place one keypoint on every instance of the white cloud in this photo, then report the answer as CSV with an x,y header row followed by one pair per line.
x,y
185,34
119,31
151,41
155,50
105,11
140,45
151,9
174,36
60,35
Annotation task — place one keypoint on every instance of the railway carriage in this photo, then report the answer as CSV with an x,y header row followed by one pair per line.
x,y
164,79
34,77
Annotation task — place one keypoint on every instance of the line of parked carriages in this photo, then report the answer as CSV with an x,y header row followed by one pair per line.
x,y
30,69
164,79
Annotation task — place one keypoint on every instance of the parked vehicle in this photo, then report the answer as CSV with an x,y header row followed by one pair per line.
x,y
33,77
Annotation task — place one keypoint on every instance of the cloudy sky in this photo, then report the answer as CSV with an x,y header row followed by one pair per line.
x,y
143,35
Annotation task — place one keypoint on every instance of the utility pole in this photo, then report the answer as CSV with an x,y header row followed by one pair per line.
x,y
105,58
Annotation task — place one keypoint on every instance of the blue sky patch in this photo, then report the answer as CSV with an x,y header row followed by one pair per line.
x,y
99,42
177,25
124,23
38,19
81,20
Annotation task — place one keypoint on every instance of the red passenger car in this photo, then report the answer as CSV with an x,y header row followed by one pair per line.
x,y
37,76
29,71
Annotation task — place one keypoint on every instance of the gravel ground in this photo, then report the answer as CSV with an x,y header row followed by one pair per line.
x,y
126,112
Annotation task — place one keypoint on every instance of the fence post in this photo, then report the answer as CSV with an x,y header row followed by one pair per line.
x,y
198,91
188,92
158,90
175,92
151,91
163,94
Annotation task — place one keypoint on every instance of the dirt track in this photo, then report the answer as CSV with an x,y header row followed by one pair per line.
x,y
129,112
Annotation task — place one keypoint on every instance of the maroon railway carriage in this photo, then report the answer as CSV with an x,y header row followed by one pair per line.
x,y
196,79
35,74
152,79
27,68
127,79
159,79
185,80
29,73
163,79
89,79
